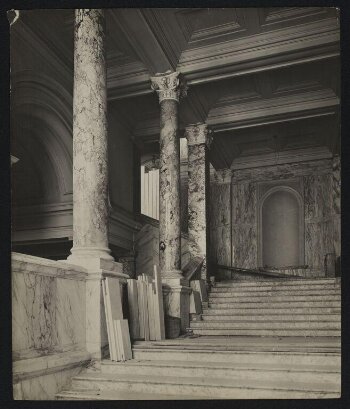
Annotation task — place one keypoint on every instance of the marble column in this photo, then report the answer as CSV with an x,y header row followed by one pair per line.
x,y
170,87
90,171
198,140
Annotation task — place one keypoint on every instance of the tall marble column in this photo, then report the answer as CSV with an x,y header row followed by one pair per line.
x,y
90,170
198,139
170,87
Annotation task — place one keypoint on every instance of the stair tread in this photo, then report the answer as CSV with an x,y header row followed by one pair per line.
x,y
228,365
211,382
122,395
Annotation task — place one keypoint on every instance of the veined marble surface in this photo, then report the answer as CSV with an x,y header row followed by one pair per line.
x,y
220,223
320,191
48,312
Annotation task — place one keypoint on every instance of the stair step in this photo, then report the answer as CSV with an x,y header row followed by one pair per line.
x,y
275,292
219,316
275,298
281,332
285,355
328,374
83,394
276,282
276,287
213,387
266,324
275,304
271,311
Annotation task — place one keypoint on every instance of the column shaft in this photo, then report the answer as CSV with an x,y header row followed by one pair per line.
x,y
169,190
199,139
90,167
169,88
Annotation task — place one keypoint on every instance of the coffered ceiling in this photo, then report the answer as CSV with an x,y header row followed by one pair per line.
x,y
265,79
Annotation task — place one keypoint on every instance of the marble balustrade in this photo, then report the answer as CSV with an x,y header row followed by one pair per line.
x,y
48,325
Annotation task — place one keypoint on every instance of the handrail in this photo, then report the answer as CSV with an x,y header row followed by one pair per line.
x,y
260,271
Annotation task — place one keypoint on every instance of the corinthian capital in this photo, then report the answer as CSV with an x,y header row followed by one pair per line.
x,y
198,134
169,85
223,176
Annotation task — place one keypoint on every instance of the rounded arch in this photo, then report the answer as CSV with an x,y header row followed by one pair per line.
x,y
281,228
41,116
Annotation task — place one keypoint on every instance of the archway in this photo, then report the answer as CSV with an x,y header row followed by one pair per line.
x,y
281,226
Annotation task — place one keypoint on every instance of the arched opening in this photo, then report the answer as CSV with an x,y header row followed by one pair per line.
x,y
281,229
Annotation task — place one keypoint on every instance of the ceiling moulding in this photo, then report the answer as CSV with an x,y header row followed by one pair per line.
x,y
279,109
142,39
282,47
274,15
280,158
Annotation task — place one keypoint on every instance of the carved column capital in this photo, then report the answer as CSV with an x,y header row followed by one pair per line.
x,y
223,176
170,85
198,134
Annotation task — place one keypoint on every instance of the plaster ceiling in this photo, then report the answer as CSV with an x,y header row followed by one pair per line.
x,y
255,74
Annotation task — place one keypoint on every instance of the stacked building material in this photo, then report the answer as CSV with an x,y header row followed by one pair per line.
x,y
117,327
146,310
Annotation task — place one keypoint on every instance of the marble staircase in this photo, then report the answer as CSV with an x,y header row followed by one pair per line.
x,y
265,339
270,307
217,368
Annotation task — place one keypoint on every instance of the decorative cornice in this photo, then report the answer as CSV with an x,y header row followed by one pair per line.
x,y
198,134
169,85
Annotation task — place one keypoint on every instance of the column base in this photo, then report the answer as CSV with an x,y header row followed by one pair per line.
x,y
176,296
172,274
91,257
95,322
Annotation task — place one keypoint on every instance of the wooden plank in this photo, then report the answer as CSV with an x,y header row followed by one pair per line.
x,y
151,315
109,322
199,285
114,293
140,308
195,303
159,308
145,309
133,308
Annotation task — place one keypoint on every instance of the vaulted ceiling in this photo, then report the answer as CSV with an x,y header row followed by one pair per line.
x,y
265,79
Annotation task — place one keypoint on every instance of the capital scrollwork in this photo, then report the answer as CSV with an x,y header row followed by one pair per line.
x,y
170,85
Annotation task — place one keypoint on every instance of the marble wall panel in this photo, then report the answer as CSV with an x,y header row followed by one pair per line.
x,y
244,203
220,249
34,312
220,205
244,245
318,200
44,387
48,310
70,312
318,242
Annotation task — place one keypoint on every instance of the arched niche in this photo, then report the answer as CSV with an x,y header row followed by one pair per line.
x,y
281,226
41,135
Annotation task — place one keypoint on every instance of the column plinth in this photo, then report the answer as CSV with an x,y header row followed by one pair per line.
x,y
198,139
